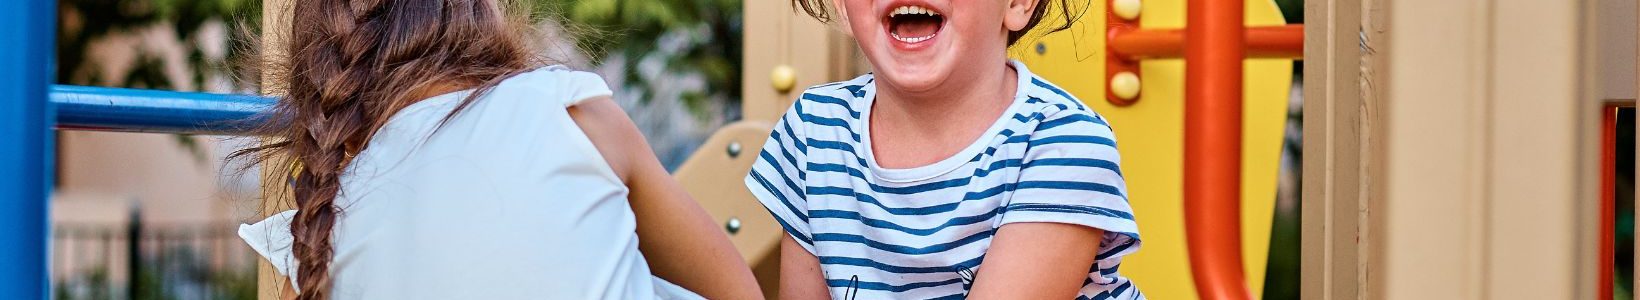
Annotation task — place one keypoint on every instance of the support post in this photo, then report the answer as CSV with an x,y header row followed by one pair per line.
x,y
26,27
1341,147
1214,49
275,192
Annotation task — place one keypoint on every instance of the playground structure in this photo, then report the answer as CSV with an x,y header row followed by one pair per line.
x,y
1417,184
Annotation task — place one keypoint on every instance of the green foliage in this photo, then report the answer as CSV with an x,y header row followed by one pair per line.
x,y
84,22
81,23
150,284
1292,10
689,36
92,285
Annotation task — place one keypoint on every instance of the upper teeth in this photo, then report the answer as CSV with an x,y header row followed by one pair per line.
x,y
913,10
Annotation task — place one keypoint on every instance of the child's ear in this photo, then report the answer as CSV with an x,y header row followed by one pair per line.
x,y
1019,14
840,20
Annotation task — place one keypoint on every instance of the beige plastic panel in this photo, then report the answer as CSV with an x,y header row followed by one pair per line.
x,y
1490,187
714,176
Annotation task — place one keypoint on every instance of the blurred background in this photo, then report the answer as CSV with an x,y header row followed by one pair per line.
x,y
153,216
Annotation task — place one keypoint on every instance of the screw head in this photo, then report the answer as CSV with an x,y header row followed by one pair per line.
x,y
783,78
1125,85
1125,9
732,226
733,149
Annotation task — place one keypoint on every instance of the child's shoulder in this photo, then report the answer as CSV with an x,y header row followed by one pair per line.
x,y
846,91
559,79
1054,107
834,104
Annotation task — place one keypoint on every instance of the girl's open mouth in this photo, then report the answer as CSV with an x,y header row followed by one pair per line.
x,y
914,24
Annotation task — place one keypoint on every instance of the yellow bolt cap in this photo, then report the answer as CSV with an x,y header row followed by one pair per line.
x,y
1125,9
783,78
1125,85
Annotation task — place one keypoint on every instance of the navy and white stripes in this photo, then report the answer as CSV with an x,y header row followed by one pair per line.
x,y
914,233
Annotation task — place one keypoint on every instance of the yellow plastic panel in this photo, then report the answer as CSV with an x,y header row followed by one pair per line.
x,y
1150,135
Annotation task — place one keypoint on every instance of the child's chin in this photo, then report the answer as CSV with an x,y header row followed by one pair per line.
x,y
917,81
913,75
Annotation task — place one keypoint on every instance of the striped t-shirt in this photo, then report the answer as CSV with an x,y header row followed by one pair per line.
x,y
921,233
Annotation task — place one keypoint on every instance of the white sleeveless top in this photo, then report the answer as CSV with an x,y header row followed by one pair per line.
x,y
508,200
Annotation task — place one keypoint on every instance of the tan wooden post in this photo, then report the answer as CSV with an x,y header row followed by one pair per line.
x,y
1339,162
275,17
775,35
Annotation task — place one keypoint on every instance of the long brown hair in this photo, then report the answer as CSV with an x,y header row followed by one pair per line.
x,y
348,66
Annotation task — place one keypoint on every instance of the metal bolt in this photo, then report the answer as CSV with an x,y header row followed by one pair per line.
x,y
1041,48
733,226
734,149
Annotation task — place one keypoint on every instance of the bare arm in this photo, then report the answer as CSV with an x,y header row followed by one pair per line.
x,y
679,239
800,272
1036,261
288,292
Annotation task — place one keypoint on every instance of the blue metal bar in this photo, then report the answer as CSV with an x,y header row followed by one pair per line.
x,y
26,147
136,110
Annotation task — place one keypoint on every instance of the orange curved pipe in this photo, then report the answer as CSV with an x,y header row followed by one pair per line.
x,y
1214,48
1286,41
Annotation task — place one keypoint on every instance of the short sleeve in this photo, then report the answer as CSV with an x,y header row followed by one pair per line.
x,y
579,85
586,86
777,178
271,239
1071,174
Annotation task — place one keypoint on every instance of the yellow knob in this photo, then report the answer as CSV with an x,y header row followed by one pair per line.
x,y
1125,9
783,78
1125,85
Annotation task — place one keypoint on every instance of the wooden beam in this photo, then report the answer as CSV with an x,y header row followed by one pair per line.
x,y
1335,127
275,21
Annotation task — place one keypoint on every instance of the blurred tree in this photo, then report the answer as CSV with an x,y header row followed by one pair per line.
x,y
83,23
687,36
1292,10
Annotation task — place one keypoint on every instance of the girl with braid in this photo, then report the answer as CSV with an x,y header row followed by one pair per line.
x,y
434,156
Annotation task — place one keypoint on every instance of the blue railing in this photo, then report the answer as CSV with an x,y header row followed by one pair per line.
x,y
136,110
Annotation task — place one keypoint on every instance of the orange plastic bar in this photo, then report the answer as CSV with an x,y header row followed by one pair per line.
x,y
1215,45
1285,41
1608,200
